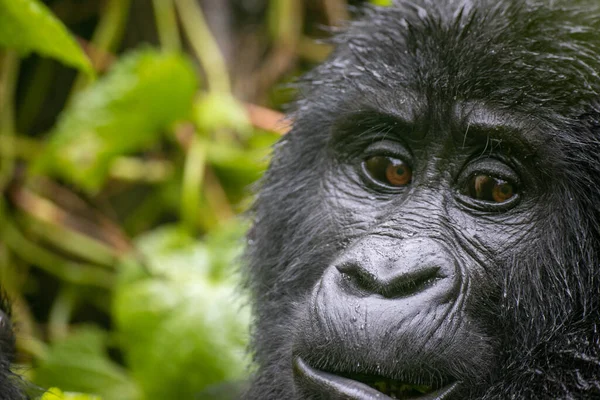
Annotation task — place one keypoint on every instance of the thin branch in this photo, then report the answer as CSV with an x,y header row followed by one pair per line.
x,y
107,37
9,67
267,119
204,45
68,271
78,234
336,11
193,177
166,25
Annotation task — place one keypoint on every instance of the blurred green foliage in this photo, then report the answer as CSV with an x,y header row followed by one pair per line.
x,y
184,308
27,25
130,132
124,111
382,3
57,394
80,363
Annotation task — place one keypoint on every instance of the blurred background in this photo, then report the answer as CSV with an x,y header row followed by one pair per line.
x,y
131,132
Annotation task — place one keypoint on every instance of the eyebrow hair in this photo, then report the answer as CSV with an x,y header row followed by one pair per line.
x,y
482,125
395,109
475,125
361,128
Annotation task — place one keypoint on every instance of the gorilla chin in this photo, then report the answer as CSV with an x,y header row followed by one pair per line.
x,y
430,227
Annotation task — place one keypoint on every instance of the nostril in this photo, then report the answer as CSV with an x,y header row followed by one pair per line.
x,y
401,285
358,277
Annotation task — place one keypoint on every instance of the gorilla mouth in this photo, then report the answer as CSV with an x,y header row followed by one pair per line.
x,y
364,387
393,388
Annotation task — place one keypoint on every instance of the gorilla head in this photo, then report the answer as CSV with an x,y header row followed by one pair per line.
x,y
430,227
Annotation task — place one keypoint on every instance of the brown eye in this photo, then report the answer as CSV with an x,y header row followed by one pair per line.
x,y
489,188
389,171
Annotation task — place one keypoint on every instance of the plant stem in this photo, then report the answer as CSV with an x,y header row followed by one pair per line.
x,y
68,271
137,170
285,20
204,45
166,24
71,241
36,92
19,147
107,36
33,346
9,67
193,176
61,312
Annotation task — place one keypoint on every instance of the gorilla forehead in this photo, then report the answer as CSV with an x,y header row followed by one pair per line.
x,y
520,56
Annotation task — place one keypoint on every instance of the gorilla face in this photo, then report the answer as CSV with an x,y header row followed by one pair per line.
x,y
431,209
429,228
430,217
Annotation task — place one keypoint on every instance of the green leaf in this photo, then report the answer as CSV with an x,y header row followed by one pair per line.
x,y
28,25
79,363
57,394
180,316
382,3
125,111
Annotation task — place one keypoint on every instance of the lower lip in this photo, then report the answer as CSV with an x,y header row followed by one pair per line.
x,y
327,384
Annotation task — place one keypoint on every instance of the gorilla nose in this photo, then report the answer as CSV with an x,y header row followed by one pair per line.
x,y
407,268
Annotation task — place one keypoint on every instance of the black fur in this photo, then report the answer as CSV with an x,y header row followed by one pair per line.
x,y
537,61
11,386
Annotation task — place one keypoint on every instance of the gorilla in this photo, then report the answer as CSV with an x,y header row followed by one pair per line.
x,y
11,386
430,227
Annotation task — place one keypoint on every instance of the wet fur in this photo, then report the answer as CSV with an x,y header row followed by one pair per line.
x,y
542,60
